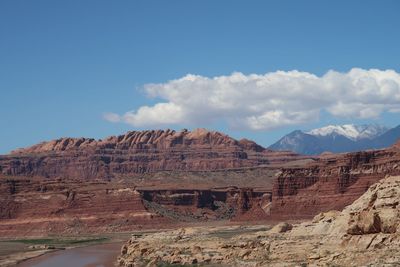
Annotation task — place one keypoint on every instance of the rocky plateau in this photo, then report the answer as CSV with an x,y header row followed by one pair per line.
x,y
148,179
162,179
138,152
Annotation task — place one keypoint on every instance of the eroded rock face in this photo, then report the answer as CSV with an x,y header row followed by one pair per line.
x,y
208,204
184,176
138,152
140,179
78,184
328,240
376,211
34,206
152,139
332,182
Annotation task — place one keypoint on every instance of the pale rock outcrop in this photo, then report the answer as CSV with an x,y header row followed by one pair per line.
x,y
365,233
282,227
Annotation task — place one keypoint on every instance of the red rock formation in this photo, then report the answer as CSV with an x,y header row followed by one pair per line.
x,y
332,182
71,185
34,207
138,152
79,184
206,204
141,140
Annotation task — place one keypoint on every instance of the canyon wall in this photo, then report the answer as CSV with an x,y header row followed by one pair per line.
x,y
330,183
33,207
141,179
161,178
36,207
212,204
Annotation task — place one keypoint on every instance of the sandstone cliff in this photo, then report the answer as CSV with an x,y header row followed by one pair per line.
x,y
33,207
138,152
331,182
150,178
139,179
366,233
36,207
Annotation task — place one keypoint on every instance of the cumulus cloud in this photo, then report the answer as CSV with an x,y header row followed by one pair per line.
x,y
268,101
111,117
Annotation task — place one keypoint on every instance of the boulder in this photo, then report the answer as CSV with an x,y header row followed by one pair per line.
x,y
281,228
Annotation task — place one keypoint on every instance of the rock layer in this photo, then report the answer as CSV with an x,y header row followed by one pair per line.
x,y
366,233
150,178
32,207
331,182
138,152
36,207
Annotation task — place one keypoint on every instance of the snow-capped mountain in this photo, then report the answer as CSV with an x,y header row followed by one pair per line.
x,y
351,131
338,138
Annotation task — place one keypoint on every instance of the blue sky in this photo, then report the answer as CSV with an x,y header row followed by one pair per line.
x,y
64,64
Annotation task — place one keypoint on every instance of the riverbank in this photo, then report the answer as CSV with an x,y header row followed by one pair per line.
x,y
104,255
15,251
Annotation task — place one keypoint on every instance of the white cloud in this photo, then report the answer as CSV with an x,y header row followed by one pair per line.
x,y
161,113
111,117
268,101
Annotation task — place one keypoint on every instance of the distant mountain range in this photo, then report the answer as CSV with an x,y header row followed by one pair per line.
x,y
338,138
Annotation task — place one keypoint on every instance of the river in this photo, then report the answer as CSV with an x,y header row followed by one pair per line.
x,y
104,255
